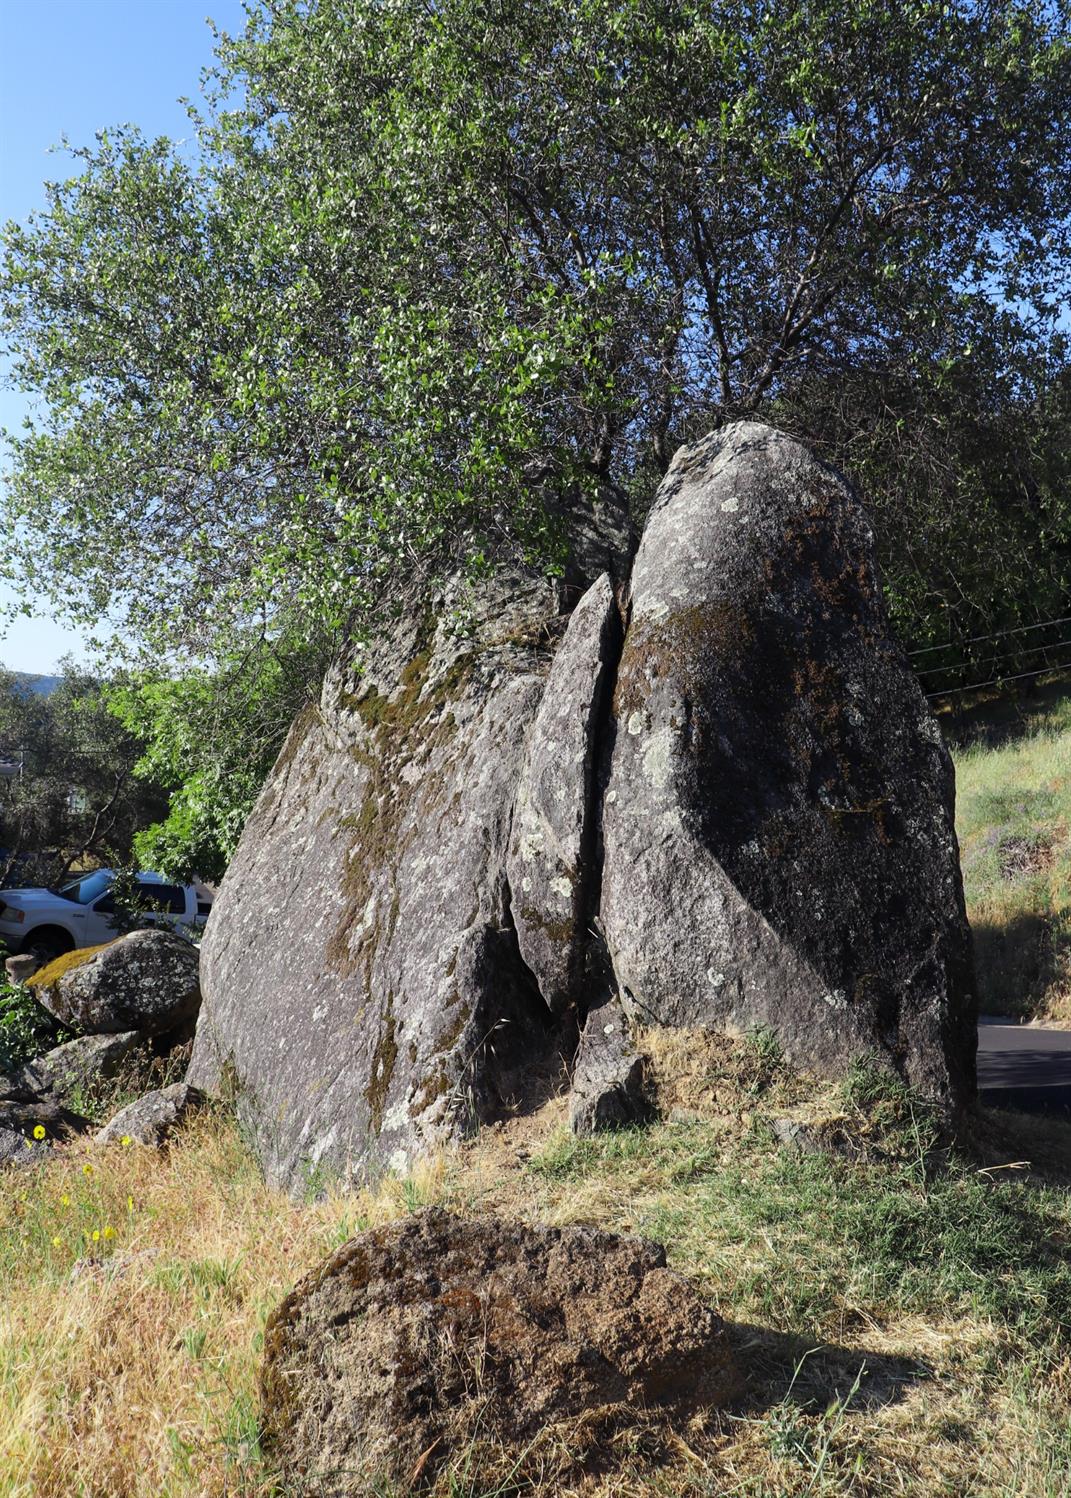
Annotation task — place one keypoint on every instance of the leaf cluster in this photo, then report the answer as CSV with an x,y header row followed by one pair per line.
x,y
433,271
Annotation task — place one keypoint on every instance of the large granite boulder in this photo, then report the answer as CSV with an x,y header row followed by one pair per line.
x,y
365,996
147,981
739,816
778,830
416,1340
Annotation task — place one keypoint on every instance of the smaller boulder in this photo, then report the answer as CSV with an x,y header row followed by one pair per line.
x,y
416,1340
147,981
22,967
79,1065
153,1118
608,1076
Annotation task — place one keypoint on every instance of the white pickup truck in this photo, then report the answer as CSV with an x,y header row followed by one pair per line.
x,y
49,922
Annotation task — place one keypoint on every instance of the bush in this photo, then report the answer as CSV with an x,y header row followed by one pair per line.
x,y
25,1028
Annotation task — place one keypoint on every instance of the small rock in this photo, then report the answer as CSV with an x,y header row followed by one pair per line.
x,y
821,1138
147,981
152,1118
18,969
30,1126
416,1339
608,1077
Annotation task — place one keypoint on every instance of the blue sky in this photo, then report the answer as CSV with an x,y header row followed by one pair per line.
x,y
71,67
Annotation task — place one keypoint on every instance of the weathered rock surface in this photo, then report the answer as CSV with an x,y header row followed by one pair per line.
x,y
78,1065
551,857
364,990
778,822
152,1118
417,1338
739,816
607,1088
147,981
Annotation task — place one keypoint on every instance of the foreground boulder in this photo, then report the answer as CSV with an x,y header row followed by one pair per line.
x,y
146,982
778,819
414,1340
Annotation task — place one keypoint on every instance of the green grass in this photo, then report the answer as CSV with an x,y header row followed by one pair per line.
x,y
1013,775
791,1239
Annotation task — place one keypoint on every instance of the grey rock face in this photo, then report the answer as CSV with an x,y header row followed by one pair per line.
x,y
152,1118
417,1339
364,992
551,864
748,801
778,821
147,981
608,1077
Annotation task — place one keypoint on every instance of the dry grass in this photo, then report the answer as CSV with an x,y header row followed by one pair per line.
x,y
901,1334
127,1364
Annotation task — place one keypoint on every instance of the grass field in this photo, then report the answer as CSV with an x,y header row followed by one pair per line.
x,y
1013,777
904,1319
904,1329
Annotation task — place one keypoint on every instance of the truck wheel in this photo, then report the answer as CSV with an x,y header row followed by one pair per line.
x,y
47,944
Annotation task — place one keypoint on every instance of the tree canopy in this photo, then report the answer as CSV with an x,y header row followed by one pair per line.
x,y
432,267
69,791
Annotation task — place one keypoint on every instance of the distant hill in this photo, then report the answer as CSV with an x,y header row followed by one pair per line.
x,y
44,686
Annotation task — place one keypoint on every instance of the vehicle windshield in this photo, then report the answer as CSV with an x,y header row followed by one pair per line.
x,y
85,891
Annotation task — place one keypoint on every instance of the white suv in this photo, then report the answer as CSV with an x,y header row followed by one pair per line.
x,y
49,922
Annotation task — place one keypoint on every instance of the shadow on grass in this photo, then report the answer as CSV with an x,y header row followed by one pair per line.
x,y
1017,962
784,1368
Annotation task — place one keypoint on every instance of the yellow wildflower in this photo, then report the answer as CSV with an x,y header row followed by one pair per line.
x,y
38,1131
96,1235
65,1200
57,1242
87,1169
109,1232
125,1140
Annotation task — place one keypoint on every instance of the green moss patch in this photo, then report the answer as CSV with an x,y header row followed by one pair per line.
x,y
45,977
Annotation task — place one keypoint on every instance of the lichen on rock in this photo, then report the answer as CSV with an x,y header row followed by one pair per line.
x,y
778,819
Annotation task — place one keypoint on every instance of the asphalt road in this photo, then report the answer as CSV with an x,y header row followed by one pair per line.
x,y
1020,1066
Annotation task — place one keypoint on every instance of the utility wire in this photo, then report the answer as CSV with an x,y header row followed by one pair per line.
x,y
978,639
993,680
994,660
